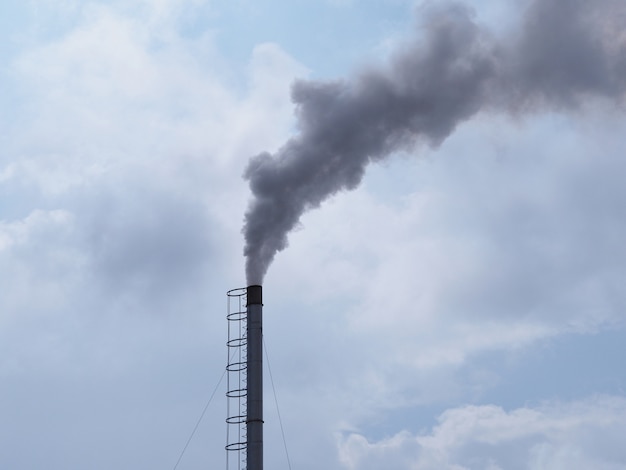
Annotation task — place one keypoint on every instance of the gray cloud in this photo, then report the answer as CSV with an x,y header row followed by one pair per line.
x,y
563,53
146,241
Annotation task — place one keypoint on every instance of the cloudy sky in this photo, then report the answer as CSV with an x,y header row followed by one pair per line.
x,y
462,308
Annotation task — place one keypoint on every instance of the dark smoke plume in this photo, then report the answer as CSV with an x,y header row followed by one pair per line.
x,y
564,53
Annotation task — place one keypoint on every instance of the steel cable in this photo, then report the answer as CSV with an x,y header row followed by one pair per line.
x,y
280,421
199,420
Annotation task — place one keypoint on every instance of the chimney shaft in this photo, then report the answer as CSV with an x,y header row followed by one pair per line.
x,y
254,419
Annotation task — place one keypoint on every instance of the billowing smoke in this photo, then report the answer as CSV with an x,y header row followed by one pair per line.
x,y
563,54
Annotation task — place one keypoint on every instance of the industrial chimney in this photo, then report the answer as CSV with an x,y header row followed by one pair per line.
x,y
254,418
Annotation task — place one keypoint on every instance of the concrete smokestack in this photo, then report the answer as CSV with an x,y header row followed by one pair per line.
x,y
254,419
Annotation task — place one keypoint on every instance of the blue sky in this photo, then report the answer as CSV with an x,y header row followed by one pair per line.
x,y
463,308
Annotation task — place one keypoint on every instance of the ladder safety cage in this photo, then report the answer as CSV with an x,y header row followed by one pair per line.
x,y
236,380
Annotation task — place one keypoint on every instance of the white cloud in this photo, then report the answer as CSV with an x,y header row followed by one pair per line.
x,y
491,250
575,435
